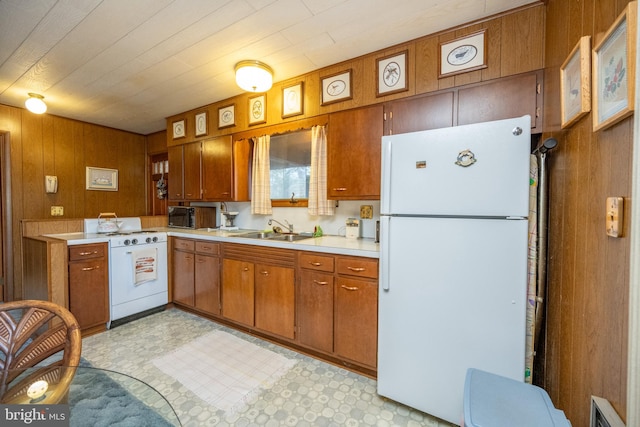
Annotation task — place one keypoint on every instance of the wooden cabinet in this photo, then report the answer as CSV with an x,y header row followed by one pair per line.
x,y
186,173
338,306
258,288
420,113
217,169
353,154
196,274
89,284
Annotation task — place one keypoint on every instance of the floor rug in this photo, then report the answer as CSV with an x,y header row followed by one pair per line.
x,y
97,400
224,370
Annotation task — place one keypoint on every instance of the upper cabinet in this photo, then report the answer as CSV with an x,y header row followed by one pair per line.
x,y
353,154
421,113
217,169
185,167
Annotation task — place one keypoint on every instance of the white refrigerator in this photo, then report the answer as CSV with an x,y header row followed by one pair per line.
x,y
453,261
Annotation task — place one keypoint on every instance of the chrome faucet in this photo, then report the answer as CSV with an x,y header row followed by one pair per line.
x,y
289,226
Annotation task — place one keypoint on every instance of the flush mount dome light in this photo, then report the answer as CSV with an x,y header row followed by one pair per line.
x,y
254,76
35,103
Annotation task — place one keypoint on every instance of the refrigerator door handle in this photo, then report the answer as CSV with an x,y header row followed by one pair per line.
x,y
385,225
385,191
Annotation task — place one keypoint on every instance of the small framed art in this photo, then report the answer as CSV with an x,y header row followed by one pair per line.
x,y
614,71
463,55
257,109
201,124
102,179
575,83
336,87
227,116
392,75
179,129
292,100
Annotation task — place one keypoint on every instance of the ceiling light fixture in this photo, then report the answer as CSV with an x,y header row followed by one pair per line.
x,y
254,76
35,103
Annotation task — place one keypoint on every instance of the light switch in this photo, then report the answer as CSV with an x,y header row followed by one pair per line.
x,y
614,218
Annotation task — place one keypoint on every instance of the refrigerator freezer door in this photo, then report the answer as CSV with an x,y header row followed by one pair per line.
x,y
473,170
452,297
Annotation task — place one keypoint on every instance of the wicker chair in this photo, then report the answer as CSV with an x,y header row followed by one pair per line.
x,y
31,333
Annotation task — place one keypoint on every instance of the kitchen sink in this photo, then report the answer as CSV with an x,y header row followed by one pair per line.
x,y
289,237
256,235
267,235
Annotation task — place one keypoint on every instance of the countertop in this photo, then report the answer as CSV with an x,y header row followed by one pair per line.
x,y
327,244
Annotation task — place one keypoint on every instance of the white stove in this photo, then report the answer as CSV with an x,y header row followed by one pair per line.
x,y
137,268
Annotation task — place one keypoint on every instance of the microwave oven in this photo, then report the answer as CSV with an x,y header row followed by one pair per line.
x,y
193,217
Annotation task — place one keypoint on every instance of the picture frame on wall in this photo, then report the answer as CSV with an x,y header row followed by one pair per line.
x,y
336,87
201,124
101,179
463,54
179,129
257,109
614,71
226,116
575,83
293,100
392,74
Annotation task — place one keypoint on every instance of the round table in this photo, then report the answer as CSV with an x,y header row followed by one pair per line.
x,y
95,396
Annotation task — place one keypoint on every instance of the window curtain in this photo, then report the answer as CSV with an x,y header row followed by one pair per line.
x,y
261,183
318,203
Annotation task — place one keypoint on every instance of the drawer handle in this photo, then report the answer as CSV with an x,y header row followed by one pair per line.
x,y
315,263
245,269
264,273
340,189
206,247
90,268
320,283
356,269
188,257
88,253
349,288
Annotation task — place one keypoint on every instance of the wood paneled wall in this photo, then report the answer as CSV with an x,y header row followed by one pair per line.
x,y
49,145
587,312
514,46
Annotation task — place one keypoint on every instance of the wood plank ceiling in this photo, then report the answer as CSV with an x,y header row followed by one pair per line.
x,y
128,64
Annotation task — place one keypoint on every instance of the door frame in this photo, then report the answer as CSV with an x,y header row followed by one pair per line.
x,y
6,228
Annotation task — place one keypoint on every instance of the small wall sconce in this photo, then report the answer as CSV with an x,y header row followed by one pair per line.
x,y
35,103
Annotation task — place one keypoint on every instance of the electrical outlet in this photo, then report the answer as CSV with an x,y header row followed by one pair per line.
x,y
366,211
57,210
614,219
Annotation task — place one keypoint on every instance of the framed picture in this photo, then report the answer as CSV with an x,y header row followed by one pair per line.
x,y
463,55
614,71
392,75
201,124
257,109
102,179
179,129
293,100
336,87
575,83
227,116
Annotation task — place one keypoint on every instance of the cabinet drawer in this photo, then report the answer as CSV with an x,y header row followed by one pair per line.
x,y
317,262
208,248
86,251
361,267
184,244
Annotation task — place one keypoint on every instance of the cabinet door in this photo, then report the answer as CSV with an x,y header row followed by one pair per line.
x,y
207,283
503,99
89,292
183,277
275,299
356,320
424,113
238,291
217,169
192,171
175,185
315,310
353,154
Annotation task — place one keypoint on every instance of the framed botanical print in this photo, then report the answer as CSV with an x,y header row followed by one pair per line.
x,y
575,83
257,109
179,129
614,71
392,74
336,87
201,124
227,116
293,100
462,55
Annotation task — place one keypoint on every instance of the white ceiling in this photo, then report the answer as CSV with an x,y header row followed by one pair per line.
x,y
128,64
